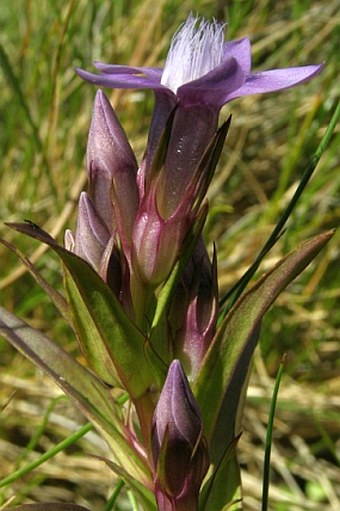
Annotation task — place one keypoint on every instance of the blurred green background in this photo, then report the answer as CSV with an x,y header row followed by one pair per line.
x,y
45,111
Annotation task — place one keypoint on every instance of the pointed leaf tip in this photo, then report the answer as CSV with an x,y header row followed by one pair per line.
x,y
58,300
104,330
224,370
236,337
31,229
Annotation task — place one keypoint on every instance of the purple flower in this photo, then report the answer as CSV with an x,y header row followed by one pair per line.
x,y
179,449
201,74
202,69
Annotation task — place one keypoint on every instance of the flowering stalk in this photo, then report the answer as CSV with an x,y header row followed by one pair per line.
x,y
141,290
153,209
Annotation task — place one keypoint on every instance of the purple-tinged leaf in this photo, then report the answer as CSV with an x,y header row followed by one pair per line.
x,y
220,383
88,393
230,349
58,300
90,342
107,337
229,470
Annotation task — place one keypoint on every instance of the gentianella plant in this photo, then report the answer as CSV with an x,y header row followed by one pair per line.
x,y
141,291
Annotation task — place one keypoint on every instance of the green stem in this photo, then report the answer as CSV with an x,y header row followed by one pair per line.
x,y
142,299
112,500
47,455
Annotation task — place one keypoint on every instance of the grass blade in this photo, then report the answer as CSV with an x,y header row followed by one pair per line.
x,y
112,500
236,291
47,455
269,435
13,82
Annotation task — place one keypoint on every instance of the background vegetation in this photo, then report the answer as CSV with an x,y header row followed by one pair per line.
x,y
45,111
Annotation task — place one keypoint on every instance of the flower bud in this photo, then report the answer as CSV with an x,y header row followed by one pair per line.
x,y
156,241
92,234
112,169
179,450
193,317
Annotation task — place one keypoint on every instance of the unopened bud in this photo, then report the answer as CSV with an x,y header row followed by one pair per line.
x,y
179,449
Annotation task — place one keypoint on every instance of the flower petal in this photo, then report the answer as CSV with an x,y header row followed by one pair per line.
x,y
114,69
274,80
241,51
124,77
212,88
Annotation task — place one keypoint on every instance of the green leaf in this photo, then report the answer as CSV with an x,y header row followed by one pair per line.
x,y
88,393
220,382
90,341
108,338
214,493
